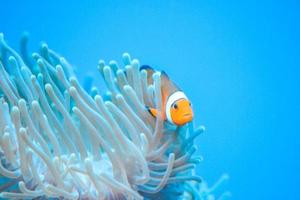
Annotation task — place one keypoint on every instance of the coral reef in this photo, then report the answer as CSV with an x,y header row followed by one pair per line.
x,y
59,139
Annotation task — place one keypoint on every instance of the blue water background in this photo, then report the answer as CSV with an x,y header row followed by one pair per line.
x,y
237,61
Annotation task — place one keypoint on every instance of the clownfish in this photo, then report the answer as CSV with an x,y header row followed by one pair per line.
x,y
176,107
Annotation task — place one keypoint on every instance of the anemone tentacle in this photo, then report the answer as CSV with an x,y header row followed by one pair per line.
x,y
61,140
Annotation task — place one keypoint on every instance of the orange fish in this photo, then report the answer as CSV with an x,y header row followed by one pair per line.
x,y
176,107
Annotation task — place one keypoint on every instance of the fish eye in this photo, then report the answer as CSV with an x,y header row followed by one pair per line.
x,y
190,103
175,106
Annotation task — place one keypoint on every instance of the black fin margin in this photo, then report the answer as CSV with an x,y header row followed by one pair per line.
x,y
146,67
164,74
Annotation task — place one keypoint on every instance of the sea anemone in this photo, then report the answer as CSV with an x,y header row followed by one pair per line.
x,y
59,139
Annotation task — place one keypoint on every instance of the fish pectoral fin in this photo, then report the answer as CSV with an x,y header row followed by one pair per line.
x,y
152,111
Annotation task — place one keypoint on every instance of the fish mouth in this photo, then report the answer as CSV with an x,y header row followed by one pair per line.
x,y
187,117
184,118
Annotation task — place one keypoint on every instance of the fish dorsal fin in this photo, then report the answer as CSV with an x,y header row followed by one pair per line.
x,y
167,86
146,67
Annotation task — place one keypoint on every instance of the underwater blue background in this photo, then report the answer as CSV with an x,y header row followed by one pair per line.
x,y
237,61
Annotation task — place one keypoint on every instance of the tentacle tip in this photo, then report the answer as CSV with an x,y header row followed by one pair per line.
x,y
107,103
22,130
40,76
225,176
126,87
48,87
126,55
106,68
72,79
88,163
97,97
15,109
127,67
197,160
112,62
33,78
59,68
34,103
119,96
74,109
119,72
156,76
12,59
101,63
94,89
135,62
21,102
25,35
35,55
72,90
62,59
40,61
202,128
44,45
1,37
